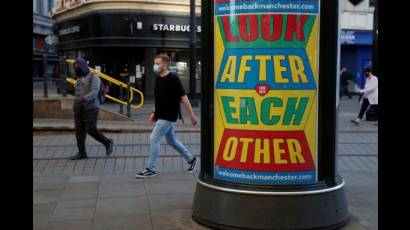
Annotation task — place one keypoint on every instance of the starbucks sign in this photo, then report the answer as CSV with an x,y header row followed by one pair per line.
x,y
51,39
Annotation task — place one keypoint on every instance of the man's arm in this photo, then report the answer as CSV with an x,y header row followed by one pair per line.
x,y
151,117
188,109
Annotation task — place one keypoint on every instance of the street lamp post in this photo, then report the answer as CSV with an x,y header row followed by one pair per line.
x,y
192,46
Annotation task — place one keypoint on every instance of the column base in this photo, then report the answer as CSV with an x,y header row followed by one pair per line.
x,y
224,208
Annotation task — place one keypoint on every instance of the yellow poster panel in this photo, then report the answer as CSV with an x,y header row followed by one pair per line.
x,y
265,92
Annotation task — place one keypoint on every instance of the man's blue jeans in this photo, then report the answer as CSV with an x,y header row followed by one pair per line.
x,y
167,128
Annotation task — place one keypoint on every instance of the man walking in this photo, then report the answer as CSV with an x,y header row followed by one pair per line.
x,y
169,93
86,108
369,95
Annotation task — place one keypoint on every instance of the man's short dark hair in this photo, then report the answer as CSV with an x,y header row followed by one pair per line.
x,y
165,59
368,70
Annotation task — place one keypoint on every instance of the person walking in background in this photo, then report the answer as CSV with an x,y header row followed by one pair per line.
x,y
369,95
345,78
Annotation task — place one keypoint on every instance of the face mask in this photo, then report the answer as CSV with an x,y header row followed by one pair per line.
x,y
367,74
155,68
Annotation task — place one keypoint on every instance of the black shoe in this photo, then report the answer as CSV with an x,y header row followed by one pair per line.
x,y
146,173
192,165
108,149
79,156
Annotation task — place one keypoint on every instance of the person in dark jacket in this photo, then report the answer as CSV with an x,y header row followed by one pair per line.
x,y
86,108
345,78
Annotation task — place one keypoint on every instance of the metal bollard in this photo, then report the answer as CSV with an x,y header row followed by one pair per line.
x,y
63,73
128,100
45,88
121,108
45,75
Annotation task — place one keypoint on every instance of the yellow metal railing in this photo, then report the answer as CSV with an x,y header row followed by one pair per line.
x,y
114,81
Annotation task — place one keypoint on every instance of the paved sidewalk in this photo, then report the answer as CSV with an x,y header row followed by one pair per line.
x,y
103,193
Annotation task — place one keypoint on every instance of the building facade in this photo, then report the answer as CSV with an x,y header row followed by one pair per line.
x,y
121,38
356,22
43,48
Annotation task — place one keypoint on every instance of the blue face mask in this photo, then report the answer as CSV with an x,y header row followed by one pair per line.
x,y
155,68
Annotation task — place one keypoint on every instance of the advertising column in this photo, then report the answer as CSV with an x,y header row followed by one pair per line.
x,y
266,81
268,116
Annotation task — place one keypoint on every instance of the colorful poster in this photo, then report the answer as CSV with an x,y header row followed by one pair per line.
x,y
266,81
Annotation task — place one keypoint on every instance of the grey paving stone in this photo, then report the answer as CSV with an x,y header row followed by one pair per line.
x,y
129,164
48,186
120,178
99,165
139,163
79,166
70,225
176,219
359,180
40,221
84,179
120,165
136,150
132,222
352,163
168,164
64,214
77,203
144,150
69,168
44,209
170,187
46,196
374,160
177,163
119,150
366,161
59,167
170,202
122,206
41,165
50,179
355,226
109,165
121,190
80,191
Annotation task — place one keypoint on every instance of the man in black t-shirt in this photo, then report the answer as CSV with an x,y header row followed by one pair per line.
x,y
169,93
